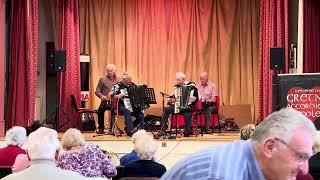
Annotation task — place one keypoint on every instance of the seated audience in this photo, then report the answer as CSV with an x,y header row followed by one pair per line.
x,y
314,161
15,138
279,148
132,156
22,161
247,131
145,167
86,159
42,148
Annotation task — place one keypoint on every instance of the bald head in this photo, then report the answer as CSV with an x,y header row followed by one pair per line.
x,y
204,78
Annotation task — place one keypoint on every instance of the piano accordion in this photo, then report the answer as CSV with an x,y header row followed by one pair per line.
x,y
135,99
182,96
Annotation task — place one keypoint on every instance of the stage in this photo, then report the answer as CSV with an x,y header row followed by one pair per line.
x,y
170,150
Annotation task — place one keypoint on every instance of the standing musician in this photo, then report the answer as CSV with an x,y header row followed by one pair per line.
x,y
120,91
180,81
103,88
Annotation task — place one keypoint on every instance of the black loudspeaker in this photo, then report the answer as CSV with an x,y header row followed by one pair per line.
x,y
50,47
277,58
60,60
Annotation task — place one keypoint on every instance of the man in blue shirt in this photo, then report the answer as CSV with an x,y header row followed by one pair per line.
x,y
278,149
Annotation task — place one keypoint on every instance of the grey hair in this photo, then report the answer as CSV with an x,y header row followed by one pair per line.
x,y
111,66
282,124
72,138
137,135
126,75
16,136
180,75
204,74
146,147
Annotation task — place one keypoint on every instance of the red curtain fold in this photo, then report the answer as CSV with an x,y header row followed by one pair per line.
x,y
67,27
23,62
311,36
273,33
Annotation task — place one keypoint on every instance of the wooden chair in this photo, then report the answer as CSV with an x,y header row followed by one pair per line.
x,y
87,122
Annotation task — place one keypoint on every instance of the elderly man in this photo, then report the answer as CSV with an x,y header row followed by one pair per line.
x,y
15,138
279,148
42,148
207,93
180,81
120,91
102,91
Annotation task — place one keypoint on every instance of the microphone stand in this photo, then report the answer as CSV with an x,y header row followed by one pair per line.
x,y
162,132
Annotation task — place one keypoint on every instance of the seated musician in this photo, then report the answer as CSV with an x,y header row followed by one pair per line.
x,y
120,90
171,109
207,94
103,88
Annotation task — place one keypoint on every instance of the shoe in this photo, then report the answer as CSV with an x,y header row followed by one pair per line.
x,y
100,131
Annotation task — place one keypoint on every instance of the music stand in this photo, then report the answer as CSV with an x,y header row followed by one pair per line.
x,y
150,98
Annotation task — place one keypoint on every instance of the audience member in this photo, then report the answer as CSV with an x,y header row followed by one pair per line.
x,y
132,156
314,161
279,148
86,159
146,148
247,131
22,161
15,138
42,148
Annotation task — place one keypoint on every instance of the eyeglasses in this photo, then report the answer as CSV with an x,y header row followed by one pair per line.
x,y
299,156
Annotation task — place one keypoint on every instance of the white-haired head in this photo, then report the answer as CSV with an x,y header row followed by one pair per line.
x,y
72,138
146,147
16,136
111,67
137,135
43,144
204,78
180,78
282,124
111,70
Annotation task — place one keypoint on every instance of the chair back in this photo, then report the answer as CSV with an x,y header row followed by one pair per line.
x,y
74,102
4,171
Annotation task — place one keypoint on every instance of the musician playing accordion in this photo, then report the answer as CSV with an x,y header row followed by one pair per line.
x,y
120,91
181,102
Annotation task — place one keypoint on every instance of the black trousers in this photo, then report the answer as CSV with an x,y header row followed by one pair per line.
x,y
102,108
187,114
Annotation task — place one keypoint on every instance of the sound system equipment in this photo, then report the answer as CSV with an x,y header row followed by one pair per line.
x,y
277,58
60,60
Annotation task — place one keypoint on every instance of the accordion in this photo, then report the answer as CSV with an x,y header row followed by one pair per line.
x,y
135,99
182,95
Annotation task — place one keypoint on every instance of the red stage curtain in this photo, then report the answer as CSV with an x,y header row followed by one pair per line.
x,y
23,62
311,36
66,19
273,33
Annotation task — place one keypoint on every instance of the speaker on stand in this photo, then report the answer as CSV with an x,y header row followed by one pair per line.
x,y
59,67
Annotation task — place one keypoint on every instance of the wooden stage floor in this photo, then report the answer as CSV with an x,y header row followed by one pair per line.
x,y
224,136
